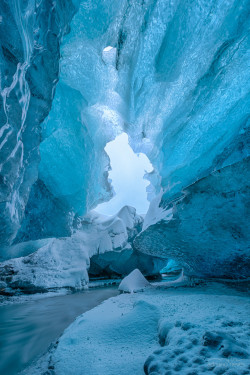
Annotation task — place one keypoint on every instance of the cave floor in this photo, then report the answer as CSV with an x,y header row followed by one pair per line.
x,y
191,331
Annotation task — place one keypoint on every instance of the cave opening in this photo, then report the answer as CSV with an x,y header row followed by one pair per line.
x,y
127,177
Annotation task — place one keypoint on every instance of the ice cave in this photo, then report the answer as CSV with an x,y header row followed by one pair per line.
x,y
124,187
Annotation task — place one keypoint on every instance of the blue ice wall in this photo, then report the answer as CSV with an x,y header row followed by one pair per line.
x,y
207,232
177,83
30,34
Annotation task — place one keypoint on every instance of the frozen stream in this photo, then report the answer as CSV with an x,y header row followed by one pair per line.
x,y
27,329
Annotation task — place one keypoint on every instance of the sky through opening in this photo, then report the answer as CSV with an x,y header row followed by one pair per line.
x,y
127,174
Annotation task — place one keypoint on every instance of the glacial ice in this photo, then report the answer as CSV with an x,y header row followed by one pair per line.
x,y
174,76
171,267
60,263
30,34
206,230
102,246
176,81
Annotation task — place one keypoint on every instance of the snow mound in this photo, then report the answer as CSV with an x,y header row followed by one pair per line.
x,y
113,339
186,331
188,350
134,282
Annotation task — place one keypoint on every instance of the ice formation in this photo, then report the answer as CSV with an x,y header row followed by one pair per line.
x,y
207,232
174,76
30,35
171,267
102,246
176,80
59,263
134,282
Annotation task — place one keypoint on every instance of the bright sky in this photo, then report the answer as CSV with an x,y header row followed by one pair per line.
x,y
127,174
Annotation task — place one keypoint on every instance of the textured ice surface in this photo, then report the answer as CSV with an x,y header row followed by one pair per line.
x,y
30,34
60,263
207,229
176,81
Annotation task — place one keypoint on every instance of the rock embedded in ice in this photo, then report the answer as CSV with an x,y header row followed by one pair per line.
x,y
134,282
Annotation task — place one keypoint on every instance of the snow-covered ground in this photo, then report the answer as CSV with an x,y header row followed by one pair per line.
x,y
189,331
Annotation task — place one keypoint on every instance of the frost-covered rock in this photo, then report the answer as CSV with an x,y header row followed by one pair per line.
x,y
134,282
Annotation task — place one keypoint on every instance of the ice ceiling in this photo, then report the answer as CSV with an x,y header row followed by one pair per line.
x,y
176,80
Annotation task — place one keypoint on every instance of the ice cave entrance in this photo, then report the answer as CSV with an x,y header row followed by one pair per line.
x,y
127,175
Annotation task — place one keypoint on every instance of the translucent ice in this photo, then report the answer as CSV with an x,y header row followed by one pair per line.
x,y
176,80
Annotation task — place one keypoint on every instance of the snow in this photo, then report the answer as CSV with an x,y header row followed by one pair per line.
x,y
202,330
59,263
64,262
134,282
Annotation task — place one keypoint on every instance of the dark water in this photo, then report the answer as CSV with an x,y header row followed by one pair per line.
x,y
26,330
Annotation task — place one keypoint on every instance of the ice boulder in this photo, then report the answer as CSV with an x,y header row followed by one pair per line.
x,y
134,282
59,263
